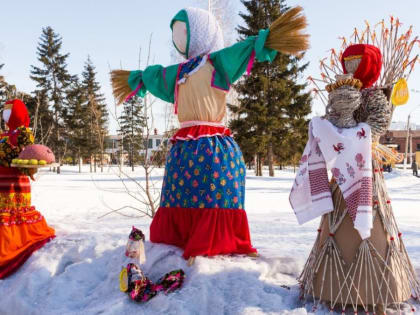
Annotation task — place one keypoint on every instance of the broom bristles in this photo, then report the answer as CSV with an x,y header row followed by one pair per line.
x,y
286,33
120,87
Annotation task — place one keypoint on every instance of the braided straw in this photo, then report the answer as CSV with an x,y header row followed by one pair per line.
x,y
286,32
120,87
356,83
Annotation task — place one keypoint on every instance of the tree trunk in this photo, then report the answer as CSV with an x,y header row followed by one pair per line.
x,y
258,165
90,164
270,159
59,166
102,161
132,157
94,162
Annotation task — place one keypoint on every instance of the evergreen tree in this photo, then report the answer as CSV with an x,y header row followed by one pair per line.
x,y
272,105
77,122
132,122
96,110
52,80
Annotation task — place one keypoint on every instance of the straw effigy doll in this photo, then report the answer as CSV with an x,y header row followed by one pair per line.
x,y
358,259
202,199
23,229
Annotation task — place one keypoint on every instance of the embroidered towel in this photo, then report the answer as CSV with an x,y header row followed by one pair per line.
x,y
347,154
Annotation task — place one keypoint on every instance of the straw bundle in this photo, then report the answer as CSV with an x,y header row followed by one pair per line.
x,y
120,87
286,32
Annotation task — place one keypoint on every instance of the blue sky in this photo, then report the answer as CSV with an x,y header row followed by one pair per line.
x,y
111,32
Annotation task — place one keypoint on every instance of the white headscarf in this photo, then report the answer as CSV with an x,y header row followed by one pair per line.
x,y
205,32
6,114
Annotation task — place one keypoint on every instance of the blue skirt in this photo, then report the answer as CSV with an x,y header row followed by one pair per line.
x,y
204,173
202,201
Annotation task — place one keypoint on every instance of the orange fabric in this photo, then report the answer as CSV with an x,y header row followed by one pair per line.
x,y
23,229
15,239
14,264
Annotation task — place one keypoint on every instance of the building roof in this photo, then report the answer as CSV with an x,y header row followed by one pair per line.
x,y
402,133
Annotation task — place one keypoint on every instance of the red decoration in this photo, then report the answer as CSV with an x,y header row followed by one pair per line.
x,y
19,116
370,66
196,132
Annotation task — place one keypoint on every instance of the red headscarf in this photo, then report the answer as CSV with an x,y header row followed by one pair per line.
x,y
19,116
370,66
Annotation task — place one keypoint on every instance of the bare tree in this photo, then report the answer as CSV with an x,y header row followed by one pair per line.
x,y
147,193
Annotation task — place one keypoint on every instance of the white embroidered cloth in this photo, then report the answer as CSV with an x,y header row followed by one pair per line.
x,y
206,35
347,153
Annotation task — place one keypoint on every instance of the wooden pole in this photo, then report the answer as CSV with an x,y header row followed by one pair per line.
x,y
411,148
406,142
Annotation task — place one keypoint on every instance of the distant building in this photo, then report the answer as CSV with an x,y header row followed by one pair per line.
x,y
153,143
397,139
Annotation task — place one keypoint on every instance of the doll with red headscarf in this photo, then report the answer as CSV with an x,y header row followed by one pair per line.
x,y
358,259
23,229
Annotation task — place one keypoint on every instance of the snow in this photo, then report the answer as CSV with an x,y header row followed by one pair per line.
x,y
77,273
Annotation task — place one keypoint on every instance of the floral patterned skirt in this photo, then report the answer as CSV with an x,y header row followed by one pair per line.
x,y
23,229
202,201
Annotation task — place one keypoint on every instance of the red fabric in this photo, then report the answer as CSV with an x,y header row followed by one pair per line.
x,y
370,66
15,264
203,232
13,136
19,116
12,181
196,132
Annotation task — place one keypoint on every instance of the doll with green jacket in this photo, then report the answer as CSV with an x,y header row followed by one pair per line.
x,y
203,192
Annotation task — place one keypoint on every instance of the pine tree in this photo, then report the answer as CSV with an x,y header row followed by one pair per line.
x,y
97,112
132,122
272,106
77,122
52,80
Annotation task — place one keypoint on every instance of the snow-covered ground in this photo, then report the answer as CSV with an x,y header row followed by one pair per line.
x,y
77,273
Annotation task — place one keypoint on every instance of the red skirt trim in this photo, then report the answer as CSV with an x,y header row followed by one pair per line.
x,y
197,132
203,232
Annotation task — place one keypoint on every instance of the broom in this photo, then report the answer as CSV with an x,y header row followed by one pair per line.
x,y
285,36
286,33
120,87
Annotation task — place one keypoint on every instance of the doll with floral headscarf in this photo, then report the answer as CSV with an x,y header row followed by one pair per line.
x,y
358,259
203,192
23,229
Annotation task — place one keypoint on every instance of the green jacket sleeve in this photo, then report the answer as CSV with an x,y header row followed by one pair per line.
x,y
158,80
231,62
